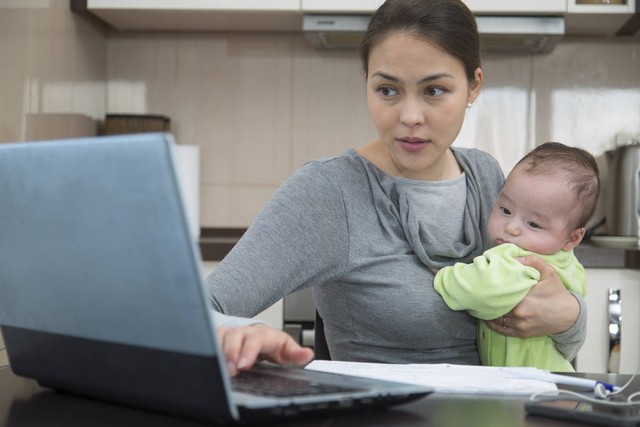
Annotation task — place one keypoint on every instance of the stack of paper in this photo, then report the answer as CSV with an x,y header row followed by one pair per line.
x,y
445,378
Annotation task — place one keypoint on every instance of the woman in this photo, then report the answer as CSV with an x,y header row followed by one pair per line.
x,y
368,227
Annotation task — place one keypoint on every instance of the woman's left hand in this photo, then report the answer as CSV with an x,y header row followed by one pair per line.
x,y
243,346
547,309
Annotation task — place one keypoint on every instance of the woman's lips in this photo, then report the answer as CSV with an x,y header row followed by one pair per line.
x,y
412,144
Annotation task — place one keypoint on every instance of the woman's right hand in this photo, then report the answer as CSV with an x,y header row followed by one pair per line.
x,y
549,308
243,346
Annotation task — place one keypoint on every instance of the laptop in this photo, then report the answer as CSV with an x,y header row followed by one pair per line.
x,y
101,290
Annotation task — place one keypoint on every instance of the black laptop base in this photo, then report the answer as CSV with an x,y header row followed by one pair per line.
x,y
350,406
177,383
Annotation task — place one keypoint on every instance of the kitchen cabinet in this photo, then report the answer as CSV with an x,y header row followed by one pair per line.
x,y
601,7
594,356
500,7
195,15
195,5
587,17
582,18
477,6
340,6
610,269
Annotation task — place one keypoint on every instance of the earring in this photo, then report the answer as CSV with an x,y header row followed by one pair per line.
x,y
469,105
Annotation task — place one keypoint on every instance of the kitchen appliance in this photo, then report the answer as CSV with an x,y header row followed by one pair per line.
x,y
505,34
623,189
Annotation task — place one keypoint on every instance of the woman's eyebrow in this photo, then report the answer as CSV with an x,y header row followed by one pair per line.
x,y
435,77
386,76
421,81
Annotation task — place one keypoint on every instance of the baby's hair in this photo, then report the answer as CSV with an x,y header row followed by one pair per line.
x,y
575,164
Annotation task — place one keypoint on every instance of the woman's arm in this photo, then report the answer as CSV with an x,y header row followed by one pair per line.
x,y
299,238
548,309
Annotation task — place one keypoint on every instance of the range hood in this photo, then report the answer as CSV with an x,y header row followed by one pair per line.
x,y
504,34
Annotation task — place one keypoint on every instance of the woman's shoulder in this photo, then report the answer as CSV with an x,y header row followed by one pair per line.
x,y
479,162
335,168
475,155
344,160
330,175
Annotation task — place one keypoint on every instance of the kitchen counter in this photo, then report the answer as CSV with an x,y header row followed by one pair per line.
x,y
215,243
594,256
24,403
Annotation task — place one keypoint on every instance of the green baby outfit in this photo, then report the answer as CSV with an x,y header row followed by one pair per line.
x,y
491,286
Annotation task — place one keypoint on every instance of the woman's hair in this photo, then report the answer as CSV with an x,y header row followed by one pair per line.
x,y
575,165
447,24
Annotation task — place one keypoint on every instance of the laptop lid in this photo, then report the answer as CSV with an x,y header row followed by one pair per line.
x,y
101,290
97,256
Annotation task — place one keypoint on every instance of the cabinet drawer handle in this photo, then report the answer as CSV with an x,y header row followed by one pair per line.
x,y
615,330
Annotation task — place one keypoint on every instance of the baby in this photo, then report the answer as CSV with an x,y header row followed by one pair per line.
x,y
542,208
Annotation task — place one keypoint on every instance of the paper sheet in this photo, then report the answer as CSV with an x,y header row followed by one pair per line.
x,y
444,378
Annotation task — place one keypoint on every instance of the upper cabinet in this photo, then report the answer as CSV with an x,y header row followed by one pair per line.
x,y
582,17
196,15
517,7
598,17
340,6
477,6
541,7
601,6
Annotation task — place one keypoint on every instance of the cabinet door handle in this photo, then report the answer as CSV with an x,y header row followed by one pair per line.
x,y
615,329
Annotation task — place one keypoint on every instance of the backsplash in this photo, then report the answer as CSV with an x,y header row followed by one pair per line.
x,y
260,105
53,71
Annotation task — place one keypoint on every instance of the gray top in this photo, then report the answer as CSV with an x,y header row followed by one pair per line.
x,y
351,230
227,321
421,195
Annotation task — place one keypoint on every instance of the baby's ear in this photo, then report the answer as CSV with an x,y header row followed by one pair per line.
x,y
575,238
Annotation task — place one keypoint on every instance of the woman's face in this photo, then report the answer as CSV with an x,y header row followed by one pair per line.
x,y
418,95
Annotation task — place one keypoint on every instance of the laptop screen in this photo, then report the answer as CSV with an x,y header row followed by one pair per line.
x,y
106,227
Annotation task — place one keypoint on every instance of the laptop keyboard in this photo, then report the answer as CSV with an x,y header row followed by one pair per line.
x,y
278,386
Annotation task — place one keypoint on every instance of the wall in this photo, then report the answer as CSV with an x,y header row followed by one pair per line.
x,y
260,105
53,71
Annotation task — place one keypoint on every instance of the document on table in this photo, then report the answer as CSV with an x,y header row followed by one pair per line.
x,y
445,378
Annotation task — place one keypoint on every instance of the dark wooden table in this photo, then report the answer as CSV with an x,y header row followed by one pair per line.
x,y
24,403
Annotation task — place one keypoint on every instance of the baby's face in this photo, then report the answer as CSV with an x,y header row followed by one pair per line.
x,y
532,212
